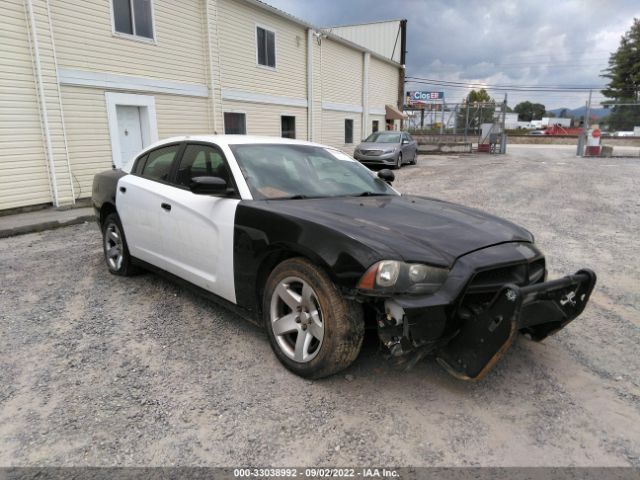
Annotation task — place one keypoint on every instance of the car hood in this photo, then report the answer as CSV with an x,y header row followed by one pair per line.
x,y
377,146
418,229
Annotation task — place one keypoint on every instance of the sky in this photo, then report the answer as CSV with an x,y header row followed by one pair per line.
x,y
494,42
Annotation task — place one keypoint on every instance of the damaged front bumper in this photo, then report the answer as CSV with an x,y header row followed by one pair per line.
x,y
490,295
538,310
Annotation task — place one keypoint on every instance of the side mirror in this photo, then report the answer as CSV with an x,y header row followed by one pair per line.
x,y
208,185
405,141
386,175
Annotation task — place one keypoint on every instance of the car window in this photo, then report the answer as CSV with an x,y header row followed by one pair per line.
x,y
383,137
159,162
139,165
201,161
284,171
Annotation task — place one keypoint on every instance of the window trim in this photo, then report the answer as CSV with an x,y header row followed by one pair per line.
x,y
275,46
173,176
224,126
130,36
353,128
137,170
295,126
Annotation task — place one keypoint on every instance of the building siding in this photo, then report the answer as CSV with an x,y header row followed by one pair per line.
x,y
85,40
263,119
24,177
238,60
333,130
88,128
341,80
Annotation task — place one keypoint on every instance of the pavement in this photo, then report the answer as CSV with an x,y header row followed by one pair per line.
x,y
100,370
40,220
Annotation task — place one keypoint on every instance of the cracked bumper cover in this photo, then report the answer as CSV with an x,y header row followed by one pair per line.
x,y
538,310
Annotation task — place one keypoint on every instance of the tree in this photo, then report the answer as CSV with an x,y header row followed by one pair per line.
x,y
481,109
624,80
528,111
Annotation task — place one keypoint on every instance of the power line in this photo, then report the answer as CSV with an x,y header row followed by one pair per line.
x,y
486,85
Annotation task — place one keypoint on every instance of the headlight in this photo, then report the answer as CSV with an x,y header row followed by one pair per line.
x,y
391,276
389,150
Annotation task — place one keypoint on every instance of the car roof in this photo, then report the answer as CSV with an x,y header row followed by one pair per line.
x,y
234,140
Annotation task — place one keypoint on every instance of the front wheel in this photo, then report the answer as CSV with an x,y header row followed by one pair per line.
x,y
399,161
314,331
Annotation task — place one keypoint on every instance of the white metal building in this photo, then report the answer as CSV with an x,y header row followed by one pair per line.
x,y
85,84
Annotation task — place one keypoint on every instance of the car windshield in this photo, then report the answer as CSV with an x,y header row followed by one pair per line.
x,y
383,137
279,171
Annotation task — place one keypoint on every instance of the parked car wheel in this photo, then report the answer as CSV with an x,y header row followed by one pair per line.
x,y
314,331
414,160
398,161
114,244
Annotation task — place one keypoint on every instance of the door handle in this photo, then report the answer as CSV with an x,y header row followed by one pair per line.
x,y
166,206
123,189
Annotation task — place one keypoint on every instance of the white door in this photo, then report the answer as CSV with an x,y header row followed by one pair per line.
x,y
143,204
129,132
198,230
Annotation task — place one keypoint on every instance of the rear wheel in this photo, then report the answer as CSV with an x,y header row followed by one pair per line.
x,y
114,245
314,331
414,160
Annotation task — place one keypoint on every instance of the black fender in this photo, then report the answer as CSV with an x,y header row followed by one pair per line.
x,y
264,237
105,186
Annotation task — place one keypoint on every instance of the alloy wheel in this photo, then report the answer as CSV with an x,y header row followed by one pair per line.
x,y
113,246
296,319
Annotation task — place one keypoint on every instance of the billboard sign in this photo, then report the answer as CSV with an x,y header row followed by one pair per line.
x,y
417,98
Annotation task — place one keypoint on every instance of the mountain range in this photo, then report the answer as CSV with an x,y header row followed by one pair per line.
x,y
580,111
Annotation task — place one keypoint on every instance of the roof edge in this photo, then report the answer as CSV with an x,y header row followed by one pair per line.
x,y
332,36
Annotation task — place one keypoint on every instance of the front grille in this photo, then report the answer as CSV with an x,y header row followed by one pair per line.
x,y
371,152
486,283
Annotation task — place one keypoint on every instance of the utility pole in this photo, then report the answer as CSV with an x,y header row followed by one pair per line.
x,y
582,140
442,119
503,137
466,120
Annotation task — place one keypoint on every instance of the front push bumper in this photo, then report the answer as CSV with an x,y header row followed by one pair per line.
x,y
538,310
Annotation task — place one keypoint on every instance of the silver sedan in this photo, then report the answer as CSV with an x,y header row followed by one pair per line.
x,y
387,149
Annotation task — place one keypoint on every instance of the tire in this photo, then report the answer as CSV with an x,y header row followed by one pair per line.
x,y
414,161
316,308
114,246
398,164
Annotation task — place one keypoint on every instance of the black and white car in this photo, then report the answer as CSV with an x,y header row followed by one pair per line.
x,y
314,246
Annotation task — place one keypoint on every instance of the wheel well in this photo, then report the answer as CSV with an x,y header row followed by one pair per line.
x,y
271,261
106,209
266,267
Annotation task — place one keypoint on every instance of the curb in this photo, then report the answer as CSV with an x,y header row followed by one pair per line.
x,y
41,227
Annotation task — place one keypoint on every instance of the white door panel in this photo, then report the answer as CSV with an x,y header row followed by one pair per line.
x,y
199,240
129,132
141,214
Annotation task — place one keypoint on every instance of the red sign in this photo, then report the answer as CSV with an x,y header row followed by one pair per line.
x,y
596,133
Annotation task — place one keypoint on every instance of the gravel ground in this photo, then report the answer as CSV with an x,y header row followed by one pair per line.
x,y
101,370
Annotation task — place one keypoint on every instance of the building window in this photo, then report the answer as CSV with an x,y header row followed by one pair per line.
x,y
375,126
266,45
235,123
288,126
133,17
348,131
